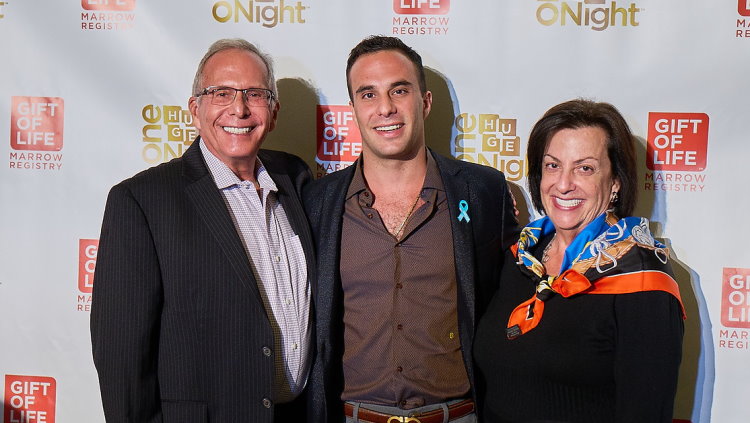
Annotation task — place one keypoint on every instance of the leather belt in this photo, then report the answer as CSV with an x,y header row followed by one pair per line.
x,y
455,410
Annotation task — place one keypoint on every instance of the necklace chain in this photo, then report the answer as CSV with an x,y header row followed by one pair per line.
x,y
545,253
408,215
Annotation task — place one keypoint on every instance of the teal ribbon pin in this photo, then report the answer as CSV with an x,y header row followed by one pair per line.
x,y
463,207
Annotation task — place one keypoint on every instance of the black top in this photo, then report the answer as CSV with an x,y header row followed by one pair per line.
x,y
592,358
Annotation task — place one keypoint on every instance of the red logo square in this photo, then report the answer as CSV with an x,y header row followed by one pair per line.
x,y
339,138
421,7
677,141
87,250
36,123
118,5
735,298
743,7
29,399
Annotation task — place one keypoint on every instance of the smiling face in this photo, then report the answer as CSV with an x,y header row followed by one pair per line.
x,y
388,105
577,178
234,133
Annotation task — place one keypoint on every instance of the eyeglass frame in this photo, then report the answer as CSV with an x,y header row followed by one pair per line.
x,y
205,91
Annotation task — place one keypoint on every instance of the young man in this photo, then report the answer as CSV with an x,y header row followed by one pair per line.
x,y
201,304
409,246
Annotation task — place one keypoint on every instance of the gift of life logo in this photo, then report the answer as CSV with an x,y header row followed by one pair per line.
x,y
36,123
268,13
167,132
412,17
421,7
587,14
735,298
339,139
743,7
87,252
489,140
36,133
677,141
743,25
29,399
107,15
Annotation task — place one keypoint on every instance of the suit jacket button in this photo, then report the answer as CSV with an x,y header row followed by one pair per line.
x,y
266,351
266,403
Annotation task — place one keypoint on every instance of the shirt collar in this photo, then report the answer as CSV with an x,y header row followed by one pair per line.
x,y
225,178
432,178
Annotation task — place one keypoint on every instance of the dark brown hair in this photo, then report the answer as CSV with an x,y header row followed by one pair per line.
x,y
376,43
580,113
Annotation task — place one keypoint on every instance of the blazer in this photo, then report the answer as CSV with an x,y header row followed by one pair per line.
x,y
478,246
178,327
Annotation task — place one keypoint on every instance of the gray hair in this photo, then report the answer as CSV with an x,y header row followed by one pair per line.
x,y
240,44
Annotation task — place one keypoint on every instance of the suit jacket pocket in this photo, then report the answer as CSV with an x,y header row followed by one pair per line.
x,y
184,411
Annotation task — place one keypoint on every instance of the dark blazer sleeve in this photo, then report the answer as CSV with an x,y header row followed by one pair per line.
x,y
324,204
125,312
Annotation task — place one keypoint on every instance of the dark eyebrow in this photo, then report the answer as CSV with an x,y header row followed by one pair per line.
x,y
393,85
576,162
364,88
401,83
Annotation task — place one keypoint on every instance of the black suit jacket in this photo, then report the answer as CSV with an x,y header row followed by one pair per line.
x,y
478,246
178,327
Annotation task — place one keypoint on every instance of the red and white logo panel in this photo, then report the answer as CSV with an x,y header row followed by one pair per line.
x,y
36,123
677,141
339,139
29,399
743,7
87,250
735,298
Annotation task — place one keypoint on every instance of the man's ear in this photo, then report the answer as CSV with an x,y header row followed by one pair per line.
x,y
426,104
274,115
193,107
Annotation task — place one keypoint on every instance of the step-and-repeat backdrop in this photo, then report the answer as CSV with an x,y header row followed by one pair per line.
x,y
93,91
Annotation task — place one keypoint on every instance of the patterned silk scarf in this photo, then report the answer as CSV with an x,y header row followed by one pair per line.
x,y
593,256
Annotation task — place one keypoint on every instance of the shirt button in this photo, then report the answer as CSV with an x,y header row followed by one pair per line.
x,y
367,193
399,286
399,369
369,215
295,346
400,327
267,403
288,301
266,351
278,259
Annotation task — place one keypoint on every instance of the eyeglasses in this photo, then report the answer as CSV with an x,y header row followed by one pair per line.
x,y
224,96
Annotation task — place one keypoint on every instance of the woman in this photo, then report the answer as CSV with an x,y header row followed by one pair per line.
x,y
586,325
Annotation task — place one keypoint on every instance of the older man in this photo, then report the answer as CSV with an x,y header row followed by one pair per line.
x,y
409,246
201,304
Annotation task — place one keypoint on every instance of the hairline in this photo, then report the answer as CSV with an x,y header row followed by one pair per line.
x,y
235,44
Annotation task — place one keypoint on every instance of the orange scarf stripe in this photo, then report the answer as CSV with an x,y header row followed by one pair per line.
x,y
646,280
527,315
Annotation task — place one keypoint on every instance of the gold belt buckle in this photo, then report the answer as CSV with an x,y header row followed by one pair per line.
x,y
401,419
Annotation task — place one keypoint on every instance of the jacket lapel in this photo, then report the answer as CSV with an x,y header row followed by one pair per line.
x,y
458,189
213,211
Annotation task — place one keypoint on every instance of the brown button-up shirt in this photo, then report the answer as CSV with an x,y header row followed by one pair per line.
x,y
400,302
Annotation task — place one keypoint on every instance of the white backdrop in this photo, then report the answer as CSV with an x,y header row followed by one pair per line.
x,y
95,90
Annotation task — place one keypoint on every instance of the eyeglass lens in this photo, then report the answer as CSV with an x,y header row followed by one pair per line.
x,y
223,96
